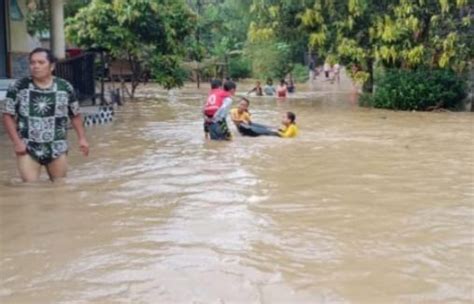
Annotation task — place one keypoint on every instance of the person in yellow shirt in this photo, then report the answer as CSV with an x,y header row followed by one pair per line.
x,y
289,128
241,115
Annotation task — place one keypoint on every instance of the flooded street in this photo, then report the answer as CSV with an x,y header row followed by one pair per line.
x,y
365,206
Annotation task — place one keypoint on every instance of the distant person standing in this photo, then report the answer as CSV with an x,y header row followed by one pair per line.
x,y
337,72
291,84
257,89
327,69
282,89
269,89
36,115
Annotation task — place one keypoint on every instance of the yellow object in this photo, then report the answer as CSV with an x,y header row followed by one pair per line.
x,y
239,117
290,131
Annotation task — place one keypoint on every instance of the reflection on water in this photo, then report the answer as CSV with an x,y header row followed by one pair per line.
x,y
366,206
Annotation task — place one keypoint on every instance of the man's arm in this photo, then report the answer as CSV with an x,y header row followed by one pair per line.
x,y
11,128
223,110
76,120
76,123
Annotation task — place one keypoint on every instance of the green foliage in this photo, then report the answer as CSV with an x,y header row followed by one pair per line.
x,y
366,100
221,29
240,67
300,73
37,22
38,17
167,71
147,33
275,20
421,90
403,34
270,59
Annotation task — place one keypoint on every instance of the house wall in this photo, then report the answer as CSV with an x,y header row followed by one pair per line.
x,y
3,40
20,44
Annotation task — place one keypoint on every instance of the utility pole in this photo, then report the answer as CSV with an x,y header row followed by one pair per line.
x,y
58,44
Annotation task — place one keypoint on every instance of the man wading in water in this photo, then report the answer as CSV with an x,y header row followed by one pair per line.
x,y
35,116
216,109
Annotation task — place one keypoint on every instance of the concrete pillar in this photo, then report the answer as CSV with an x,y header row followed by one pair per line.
x,y
58,44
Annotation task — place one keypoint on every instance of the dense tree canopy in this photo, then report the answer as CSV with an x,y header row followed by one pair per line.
x,y
268,38
147,33
403,33
365,33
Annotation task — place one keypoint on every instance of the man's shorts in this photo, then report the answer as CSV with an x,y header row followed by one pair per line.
x,y
219,130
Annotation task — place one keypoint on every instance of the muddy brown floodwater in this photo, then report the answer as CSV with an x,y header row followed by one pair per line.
x,y
365,206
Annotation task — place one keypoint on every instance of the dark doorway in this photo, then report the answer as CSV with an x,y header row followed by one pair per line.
x,y
3,39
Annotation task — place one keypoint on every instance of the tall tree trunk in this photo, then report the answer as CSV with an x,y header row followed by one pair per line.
x,y
136,74
368,86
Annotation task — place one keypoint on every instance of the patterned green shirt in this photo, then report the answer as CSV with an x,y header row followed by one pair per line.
x,y
42,115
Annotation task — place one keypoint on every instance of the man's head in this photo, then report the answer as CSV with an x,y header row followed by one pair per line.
x,y
215,84
244,105
289,118
229,86
258,83
269,81
42,63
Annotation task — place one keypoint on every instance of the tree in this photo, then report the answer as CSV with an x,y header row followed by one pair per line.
x,y
276,20
221,31
436,34
270,59
402,33
146,33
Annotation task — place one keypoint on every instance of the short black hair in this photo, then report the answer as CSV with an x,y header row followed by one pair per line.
x,y
229,85
49,55
216,83
246,100
291,116
282,82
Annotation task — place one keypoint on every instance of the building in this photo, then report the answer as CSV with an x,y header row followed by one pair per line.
x,y
16,43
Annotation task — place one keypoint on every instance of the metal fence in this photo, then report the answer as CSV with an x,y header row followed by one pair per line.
x,y
80,72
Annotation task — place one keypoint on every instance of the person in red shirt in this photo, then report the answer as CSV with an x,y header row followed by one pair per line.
x,y
210,106
282,89
216,109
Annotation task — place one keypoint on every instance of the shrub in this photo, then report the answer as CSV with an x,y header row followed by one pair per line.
x,y
240,67
366,100
300,73
418,90
270,59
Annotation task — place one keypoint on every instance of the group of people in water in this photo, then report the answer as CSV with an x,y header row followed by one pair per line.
x,y
281,90
218,106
